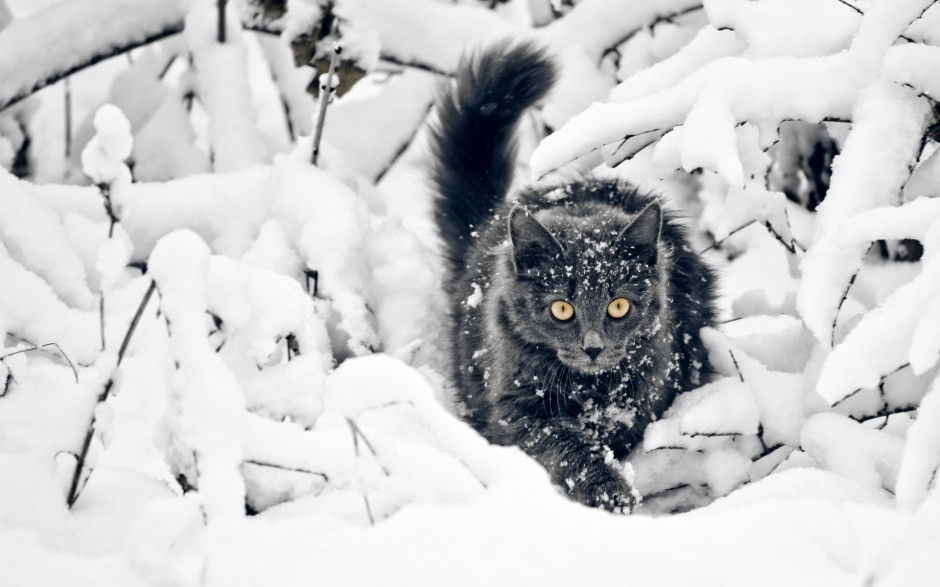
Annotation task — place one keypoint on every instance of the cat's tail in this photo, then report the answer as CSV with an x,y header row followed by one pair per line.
x,y
472,141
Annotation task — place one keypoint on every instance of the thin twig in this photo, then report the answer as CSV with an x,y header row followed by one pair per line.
x,y
67,88
648,25
325,94
136,320
719,242
291,469
881,380
8,381
766,224
101,320
365,500
103,396
404,147
736,366
43,347
312,277
221,25
357,433
845,296
859,11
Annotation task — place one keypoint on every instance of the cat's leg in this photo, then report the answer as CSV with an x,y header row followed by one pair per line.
x,y
585,471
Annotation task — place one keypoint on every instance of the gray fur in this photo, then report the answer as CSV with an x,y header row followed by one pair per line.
x,y
577,394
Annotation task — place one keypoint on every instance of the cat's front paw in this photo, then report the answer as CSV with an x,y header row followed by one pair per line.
x,y
606,489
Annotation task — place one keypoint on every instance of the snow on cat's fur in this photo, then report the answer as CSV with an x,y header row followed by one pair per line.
x,y
575,388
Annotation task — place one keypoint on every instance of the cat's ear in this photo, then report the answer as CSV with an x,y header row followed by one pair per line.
x,y
645,230
532,244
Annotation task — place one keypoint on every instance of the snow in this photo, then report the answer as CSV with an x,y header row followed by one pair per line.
x,y
889,119
222,80
203,435
45,46
803,28
707,46
281,414
919,462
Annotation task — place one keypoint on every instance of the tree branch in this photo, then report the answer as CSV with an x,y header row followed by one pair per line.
x,y
171,30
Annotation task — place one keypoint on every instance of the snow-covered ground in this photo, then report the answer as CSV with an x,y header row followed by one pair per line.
x,y
222,365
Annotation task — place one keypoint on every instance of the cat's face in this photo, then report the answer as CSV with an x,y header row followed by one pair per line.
x,y
587,287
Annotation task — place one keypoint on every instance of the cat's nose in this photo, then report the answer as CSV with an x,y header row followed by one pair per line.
x,y
593,351
593,344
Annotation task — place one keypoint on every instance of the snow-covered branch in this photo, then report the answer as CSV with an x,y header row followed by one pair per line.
x,y
47,50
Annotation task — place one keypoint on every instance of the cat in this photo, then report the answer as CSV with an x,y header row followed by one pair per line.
x,y
575,308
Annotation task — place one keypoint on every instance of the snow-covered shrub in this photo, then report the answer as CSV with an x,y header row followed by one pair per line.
x,y
288,362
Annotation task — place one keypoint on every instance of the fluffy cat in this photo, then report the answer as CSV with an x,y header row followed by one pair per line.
x,y
575,308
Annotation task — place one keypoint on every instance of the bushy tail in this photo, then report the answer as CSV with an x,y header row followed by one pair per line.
x,y
473,141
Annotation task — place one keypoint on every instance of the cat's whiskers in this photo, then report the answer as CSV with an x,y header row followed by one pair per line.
x,y
561,386
563,389
550,389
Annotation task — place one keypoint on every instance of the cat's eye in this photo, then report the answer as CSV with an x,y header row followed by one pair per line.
x,y
618,308
562,310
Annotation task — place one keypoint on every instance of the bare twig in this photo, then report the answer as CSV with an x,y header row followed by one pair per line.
x,y
67,88
326,93
357,433
291,469
8,381
766,224
859,11
365,499
647,25
881,380
719,242
404,147
845,296
101,320
43,347
105,189
103,396
312,280
221,11
736,366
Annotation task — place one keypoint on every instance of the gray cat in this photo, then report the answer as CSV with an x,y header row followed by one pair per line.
x,y
575,308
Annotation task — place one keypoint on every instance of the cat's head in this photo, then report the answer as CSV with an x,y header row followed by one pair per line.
x,y
586,283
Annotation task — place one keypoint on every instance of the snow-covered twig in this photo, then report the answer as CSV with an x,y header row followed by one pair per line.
x,y
327,88
659,19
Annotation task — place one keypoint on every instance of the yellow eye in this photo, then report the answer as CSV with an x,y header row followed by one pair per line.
x,y
618,308
562,310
